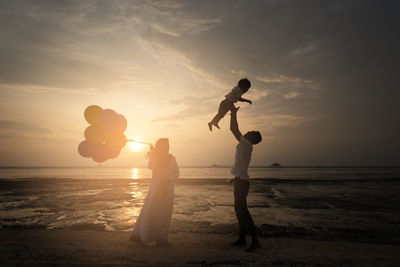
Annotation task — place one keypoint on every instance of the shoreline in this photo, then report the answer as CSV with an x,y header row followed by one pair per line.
x,y
68,247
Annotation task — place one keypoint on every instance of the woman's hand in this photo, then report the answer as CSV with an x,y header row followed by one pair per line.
x,y
151,148
150,152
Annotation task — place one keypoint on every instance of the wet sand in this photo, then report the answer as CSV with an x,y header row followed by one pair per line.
x,y
301,222
66,247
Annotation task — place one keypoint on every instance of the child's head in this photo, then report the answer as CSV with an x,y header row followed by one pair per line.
x,y
254,137
244,84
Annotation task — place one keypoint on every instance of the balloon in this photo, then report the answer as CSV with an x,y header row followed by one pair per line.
x,y
92,113
100,153
94,134
104,136
121,123
112,154
115,140
85,149
99,158
108,120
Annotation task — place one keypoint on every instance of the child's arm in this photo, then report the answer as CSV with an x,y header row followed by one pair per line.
x,y
245,100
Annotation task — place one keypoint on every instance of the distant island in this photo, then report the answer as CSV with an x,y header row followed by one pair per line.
x,y
216,165
275,165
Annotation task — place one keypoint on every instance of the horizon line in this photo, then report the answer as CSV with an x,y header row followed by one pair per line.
x,y
203,166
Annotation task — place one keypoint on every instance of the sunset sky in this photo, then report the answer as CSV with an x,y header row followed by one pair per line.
x,y
325,78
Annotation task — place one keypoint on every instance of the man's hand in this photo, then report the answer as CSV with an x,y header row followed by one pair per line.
x,y
232,180
234,110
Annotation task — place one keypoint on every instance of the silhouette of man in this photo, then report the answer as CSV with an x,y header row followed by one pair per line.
x,y
244,150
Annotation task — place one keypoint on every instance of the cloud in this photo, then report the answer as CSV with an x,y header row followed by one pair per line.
x,y
45,89
274,122
193,107
185,26
40,52
239,73
164,53
288,87
15,126
172,18
86,45
258,93
283,79
303,50
291,95
165,30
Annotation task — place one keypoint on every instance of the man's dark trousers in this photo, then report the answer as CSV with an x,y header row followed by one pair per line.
x,y
241,190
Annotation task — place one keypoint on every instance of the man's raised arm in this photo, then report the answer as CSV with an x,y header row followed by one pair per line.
x,y
234,124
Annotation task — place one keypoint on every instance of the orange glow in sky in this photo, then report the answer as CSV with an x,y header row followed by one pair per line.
x,y
166,68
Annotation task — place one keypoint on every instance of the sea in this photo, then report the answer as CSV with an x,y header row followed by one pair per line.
x,y
358,204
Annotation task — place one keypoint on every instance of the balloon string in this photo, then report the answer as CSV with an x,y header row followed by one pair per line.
x,y
131,140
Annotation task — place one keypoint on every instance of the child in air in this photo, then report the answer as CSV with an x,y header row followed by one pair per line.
x,y
228,103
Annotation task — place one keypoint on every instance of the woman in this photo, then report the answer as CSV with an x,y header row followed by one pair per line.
x,y
154,220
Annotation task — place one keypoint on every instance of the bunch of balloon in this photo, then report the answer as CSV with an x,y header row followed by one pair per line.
x,y
104,136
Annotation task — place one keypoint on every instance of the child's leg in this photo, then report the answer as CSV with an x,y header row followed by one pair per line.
x,y
224,107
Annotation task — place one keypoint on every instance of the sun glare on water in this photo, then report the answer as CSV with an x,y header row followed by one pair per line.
x,y
135,173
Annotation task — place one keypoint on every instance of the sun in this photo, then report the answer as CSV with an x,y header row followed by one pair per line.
x,y
135,146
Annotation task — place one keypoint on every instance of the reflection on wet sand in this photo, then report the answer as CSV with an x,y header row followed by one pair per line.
x,y
311,207
134,204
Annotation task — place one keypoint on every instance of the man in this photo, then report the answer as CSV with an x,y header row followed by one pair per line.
x,y
241,182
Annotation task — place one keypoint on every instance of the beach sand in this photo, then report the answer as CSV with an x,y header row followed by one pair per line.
x,y
301,222
66,247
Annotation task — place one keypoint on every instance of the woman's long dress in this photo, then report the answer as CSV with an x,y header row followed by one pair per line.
x,y
155,217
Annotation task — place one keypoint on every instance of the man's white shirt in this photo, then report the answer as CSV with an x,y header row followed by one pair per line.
x,y
242,159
